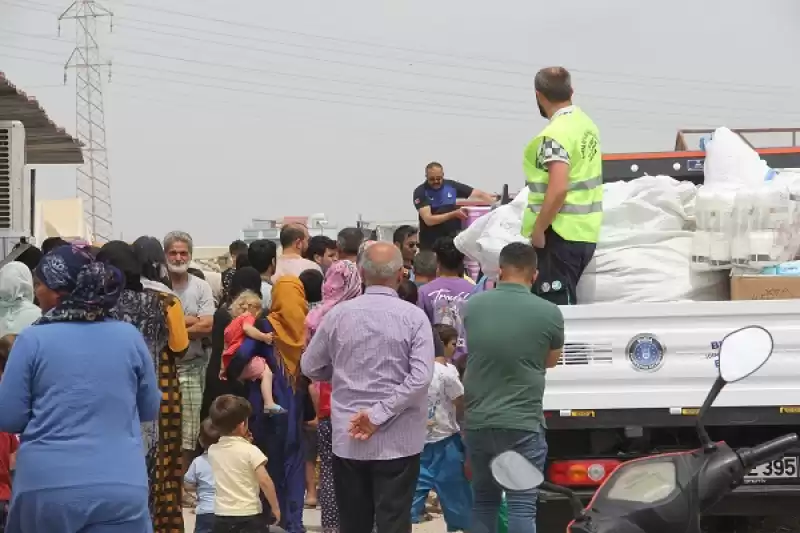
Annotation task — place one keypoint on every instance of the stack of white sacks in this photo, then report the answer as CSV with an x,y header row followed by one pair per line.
x,y
644,249
746,216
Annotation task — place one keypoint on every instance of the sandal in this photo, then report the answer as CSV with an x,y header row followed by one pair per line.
x,y
275,410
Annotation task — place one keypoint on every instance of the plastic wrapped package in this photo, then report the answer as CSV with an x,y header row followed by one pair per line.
x,y
731,161
711,242
766,229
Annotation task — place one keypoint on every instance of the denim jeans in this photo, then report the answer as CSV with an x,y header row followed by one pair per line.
x,y
204,523
483,445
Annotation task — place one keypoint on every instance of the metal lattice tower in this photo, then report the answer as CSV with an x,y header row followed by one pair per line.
x,y
93,179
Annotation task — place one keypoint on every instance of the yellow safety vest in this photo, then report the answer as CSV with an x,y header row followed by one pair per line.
x,y
582,213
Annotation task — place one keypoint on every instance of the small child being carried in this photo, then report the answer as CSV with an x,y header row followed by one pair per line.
x,y
244,310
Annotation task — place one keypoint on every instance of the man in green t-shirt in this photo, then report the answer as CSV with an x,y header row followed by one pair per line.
x,y
513,337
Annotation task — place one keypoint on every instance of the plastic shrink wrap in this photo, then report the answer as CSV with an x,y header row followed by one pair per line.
x,y
748,215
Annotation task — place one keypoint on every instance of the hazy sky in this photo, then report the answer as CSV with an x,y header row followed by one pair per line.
x,y
221,111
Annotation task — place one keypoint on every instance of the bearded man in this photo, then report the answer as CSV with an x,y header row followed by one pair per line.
x,y
198,308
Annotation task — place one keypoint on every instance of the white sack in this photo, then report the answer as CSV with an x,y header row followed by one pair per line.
x,y
649,203
483,240
730,161
649,267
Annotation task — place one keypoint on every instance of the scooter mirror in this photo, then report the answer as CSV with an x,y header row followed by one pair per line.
x,y
743,352
514,472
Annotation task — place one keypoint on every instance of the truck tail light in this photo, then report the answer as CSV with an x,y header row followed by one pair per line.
x,y
582,473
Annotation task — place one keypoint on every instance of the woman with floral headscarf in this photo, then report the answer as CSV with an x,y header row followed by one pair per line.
x,y
342,283
17,310
77,386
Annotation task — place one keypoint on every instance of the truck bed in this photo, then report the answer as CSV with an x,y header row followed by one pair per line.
x,y
596,370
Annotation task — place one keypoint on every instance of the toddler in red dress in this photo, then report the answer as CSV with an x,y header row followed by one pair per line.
x,y
244,311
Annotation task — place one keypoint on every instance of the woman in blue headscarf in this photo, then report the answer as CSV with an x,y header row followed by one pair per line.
x,y
76,388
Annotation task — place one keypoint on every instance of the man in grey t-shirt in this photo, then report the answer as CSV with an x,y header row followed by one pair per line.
x,y
198,307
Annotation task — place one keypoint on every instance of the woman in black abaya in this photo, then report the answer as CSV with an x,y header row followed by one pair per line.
x,y
244,279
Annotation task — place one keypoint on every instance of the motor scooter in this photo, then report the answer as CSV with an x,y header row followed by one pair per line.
x,y
666,493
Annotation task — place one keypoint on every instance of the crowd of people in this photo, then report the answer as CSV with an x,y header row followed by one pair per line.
x,y
130,390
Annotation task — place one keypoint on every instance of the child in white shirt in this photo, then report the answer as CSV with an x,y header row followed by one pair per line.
x,y
239,470
442,459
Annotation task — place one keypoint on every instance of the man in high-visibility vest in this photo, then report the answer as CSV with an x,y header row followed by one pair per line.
x,y
563,165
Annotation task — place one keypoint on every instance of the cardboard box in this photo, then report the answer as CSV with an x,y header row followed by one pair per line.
x,y
765,287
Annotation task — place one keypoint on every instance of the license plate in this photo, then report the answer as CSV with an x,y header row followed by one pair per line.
x,y
785,468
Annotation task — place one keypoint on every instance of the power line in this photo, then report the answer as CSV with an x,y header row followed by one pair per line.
x,y
329,93
412,50
312,77
305,98
641,125
631,79
737,109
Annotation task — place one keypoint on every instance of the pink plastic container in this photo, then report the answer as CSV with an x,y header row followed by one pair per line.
x,y
474,213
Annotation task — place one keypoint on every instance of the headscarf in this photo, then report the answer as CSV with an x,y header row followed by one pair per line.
x,y
30,257
89,288
153,263
120,254
342,283
288,318
245,279
17,310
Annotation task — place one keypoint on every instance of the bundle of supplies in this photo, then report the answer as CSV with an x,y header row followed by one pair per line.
x,y
644,250
748,215
483,239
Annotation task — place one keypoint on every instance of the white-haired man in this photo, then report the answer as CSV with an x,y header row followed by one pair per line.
x,y
198,307
375,463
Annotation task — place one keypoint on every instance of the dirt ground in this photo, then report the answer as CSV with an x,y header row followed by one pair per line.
x,y
311,519
312,522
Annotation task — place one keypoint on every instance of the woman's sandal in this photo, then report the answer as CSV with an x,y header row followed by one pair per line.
x,y
275,410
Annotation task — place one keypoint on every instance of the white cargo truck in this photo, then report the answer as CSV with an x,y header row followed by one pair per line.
x,y
632,376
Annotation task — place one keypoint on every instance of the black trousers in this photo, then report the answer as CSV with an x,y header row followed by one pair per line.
x,y
561,264
244,524
375,493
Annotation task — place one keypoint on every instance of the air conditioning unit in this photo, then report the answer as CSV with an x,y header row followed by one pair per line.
x,y
15,196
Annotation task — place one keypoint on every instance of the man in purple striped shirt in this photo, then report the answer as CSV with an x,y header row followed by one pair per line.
x,y
377,351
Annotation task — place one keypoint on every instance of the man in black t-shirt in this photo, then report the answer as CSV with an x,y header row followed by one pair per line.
x,y
435,201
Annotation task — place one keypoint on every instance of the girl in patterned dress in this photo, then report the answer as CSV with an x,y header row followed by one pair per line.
x,y
342,283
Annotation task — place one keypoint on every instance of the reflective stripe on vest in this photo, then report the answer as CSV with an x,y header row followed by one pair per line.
x,y
594,207
585,185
